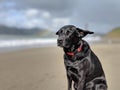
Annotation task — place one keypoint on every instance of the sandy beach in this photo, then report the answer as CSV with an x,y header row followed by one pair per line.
x,y
43,68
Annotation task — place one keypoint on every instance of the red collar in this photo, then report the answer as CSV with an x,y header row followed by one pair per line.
x,y
78,50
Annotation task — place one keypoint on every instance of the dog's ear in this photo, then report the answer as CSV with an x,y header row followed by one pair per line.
x,y
82,33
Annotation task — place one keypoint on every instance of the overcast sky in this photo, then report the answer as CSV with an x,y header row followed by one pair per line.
x,y
99,15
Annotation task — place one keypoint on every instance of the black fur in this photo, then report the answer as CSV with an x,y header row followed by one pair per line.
x,y
83,68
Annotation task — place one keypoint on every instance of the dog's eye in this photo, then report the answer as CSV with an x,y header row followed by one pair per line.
x,y
61,31
67,33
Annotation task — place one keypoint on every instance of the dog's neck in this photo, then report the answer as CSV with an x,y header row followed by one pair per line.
x,y
81,47
74,47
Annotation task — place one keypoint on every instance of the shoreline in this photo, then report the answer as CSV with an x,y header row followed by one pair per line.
x,y
24,48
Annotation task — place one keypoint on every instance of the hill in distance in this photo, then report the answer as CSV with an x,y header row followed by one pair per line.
x,y
37,32
115,33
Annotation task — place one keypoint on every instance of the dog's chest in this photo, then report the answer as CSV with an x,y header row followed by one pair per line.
x,y
76,68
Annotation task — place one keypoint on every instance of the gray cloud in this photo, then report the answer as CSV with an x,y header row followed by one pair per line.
x,y
58,8
100,11
50,5
100,14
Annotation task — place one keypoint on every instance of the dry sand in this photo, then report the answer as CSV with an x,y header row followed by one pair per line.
x,y
43,68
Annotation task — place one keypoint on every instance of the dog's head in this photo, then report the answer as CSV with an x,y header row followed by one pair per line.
x,y
69,35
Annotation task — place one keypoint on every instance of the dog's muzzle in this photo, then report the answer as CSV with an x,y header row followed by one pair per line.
x,y
60,43
63,43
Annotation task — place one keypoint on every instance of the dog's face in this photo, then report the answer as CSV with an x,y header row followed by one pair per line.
x,y
69,35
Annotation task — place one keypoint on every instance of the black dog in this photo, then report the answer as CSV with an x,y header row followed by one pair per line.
x,y
82,65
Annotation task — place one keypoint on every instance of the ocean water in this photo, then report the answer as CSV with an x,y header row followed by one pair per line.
x,y
12,43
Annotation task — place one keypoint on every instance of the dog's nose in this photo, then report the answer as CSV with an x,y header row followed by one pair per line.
x,y
60,41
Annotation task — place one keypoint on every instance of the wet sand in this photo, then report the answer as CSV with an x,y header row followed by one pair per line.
x,y
43,68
